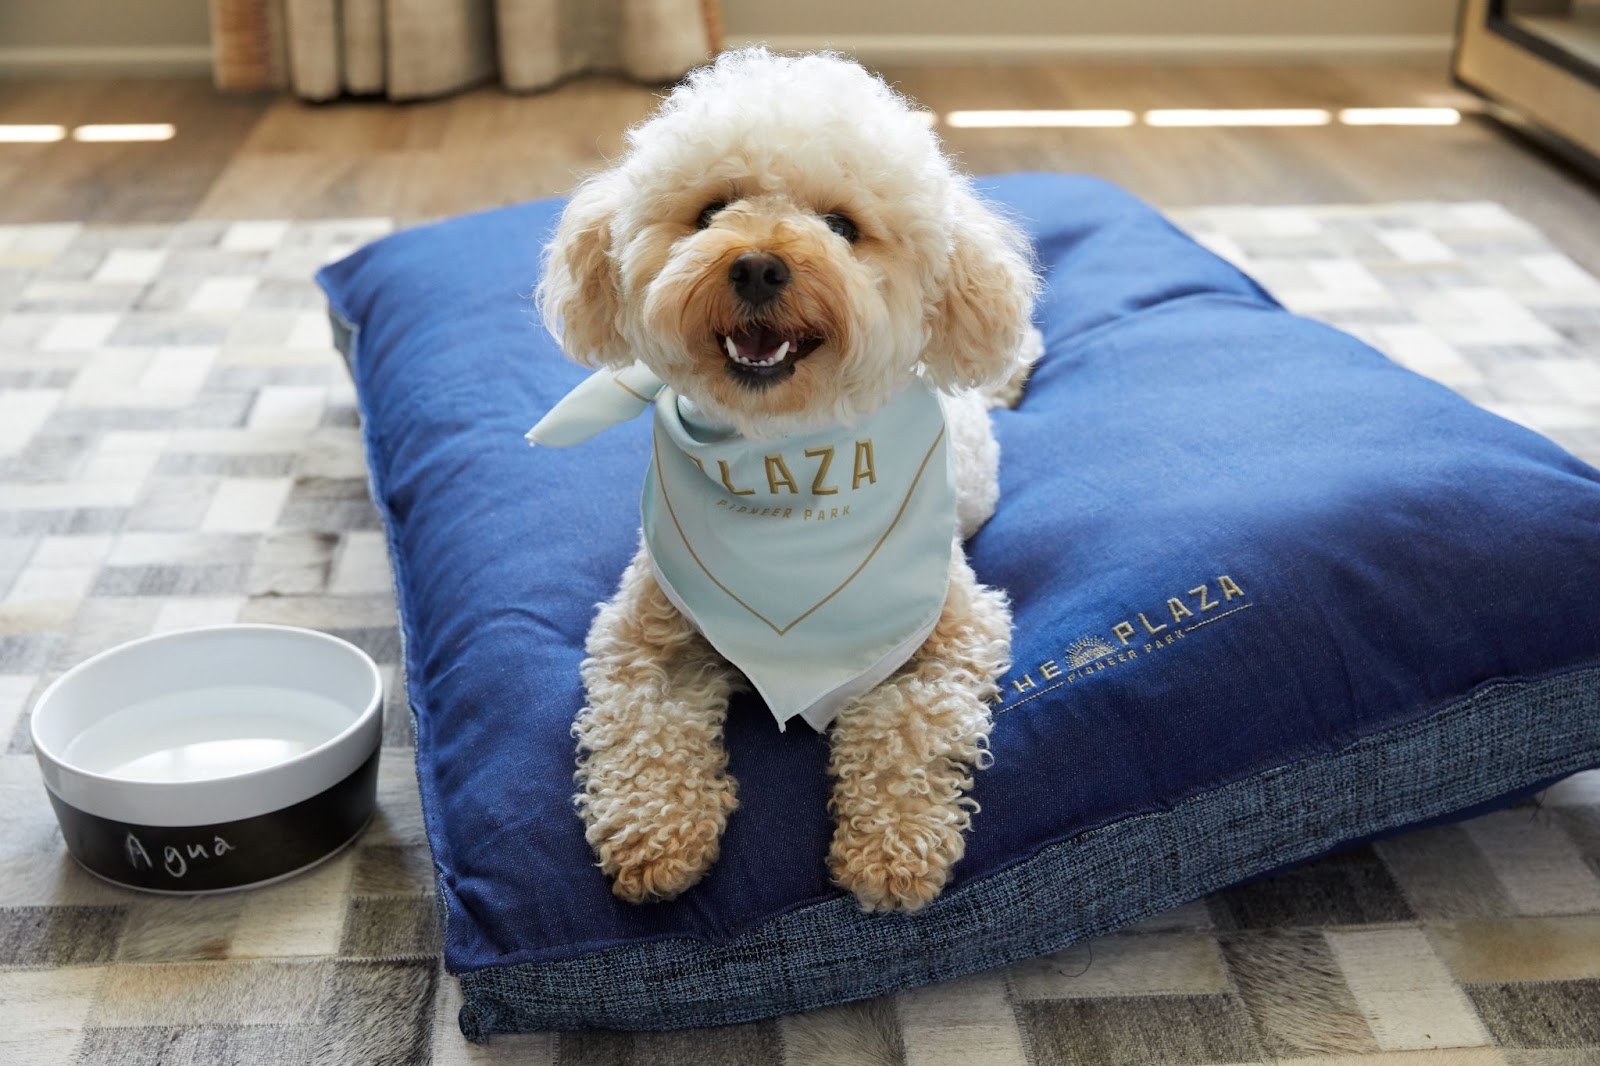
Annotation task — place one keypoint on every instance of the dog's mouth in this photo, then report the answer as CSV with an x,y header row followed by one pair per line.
x,y
762,356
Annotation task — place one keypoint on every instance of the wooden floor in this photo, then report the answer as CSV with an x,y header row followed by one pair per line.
x,y
272,157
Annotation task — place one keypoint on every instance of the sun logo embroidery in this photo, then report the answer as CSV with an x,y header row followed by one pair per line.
x,y
1086,650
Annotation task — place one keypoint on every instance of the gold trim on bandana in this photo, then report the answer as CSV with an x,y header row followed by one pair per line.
x,y
642,399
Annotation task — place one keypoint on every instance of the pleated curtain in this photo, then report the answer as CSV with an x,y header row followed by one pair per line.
x,y
413,49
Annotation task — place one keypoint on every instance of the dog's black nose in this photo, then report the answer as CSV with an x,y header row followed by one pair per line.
x,y
758,277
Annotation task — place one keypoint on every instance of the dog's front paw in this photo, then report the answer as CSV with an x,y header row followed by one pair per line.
x,y
655,844
649,869
898,858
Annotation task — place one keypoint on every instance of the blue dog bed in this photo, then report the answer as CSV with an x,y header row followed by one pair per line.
x,y
1274,594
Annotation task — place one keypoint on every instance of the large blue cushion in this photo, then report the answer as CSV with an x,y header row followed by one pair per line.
x,y
1273,594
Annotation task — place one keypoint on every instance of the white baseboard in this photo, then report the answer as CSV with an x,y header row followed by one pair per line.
x,y
118,60
1017,48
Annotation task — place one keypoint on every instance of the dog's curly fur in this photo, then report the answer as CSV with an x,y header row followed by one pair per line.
x,y
757,152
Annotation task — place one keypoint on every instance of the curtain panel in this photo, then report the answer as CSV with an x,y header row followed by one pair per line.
x,y
414,49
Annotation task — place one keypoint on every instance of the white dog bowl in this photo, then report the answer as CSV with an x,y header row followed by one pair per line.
x,y
214,758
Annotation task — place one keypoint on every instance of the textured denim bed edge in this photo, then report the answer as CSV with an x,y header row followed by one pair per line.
x,y
1499,739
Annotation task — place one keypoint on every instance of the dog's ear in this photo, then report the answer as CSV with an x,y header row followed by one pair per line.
x,y
579,296
982,318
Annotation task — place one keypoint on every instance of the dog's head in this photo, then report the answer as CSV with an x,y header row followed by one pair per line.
x,y
784,242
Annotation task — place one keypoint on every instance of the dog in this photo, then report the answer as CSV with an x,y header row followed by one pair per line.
x,y
784,251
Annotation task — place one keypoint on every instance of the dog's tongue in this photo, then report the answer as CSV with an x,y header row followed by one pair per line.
x,y
757,345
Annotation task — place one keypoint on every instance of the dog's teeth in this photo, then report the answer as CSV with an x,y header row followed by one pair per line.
x,y
783,350
733,351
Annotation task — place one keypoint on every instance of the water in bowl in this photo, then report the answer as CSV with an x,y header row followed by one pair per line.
x,y
199,734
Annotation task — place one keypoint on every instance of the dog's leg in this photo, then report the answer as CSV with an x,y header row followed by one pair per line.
x,y
651,765
903,754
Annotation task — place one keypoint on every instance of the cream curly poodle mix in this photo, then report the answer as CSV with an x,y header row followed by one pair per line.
x,y
787,267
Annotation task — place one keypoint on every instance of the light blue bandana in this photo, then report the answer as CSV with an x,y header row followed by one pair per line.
x,y
818,563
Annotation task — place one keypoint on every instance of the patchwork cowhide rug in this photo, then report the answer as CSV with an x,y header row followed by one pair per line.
x,y
178,446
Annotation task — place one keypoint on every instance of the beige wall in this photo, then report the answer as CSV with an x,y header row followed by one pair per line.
x,y
748,18
102,23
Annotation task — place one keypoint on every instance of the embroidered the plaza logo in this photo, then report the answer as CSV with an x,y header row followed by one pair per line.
x,y
1128,641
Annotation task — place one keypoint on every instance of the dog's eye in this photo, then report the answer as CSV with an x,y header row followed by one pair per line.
x,y
707,213
841,225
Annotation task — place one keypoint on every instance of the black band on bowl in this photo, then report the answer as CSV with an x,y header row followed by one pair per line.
x,y
204,858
